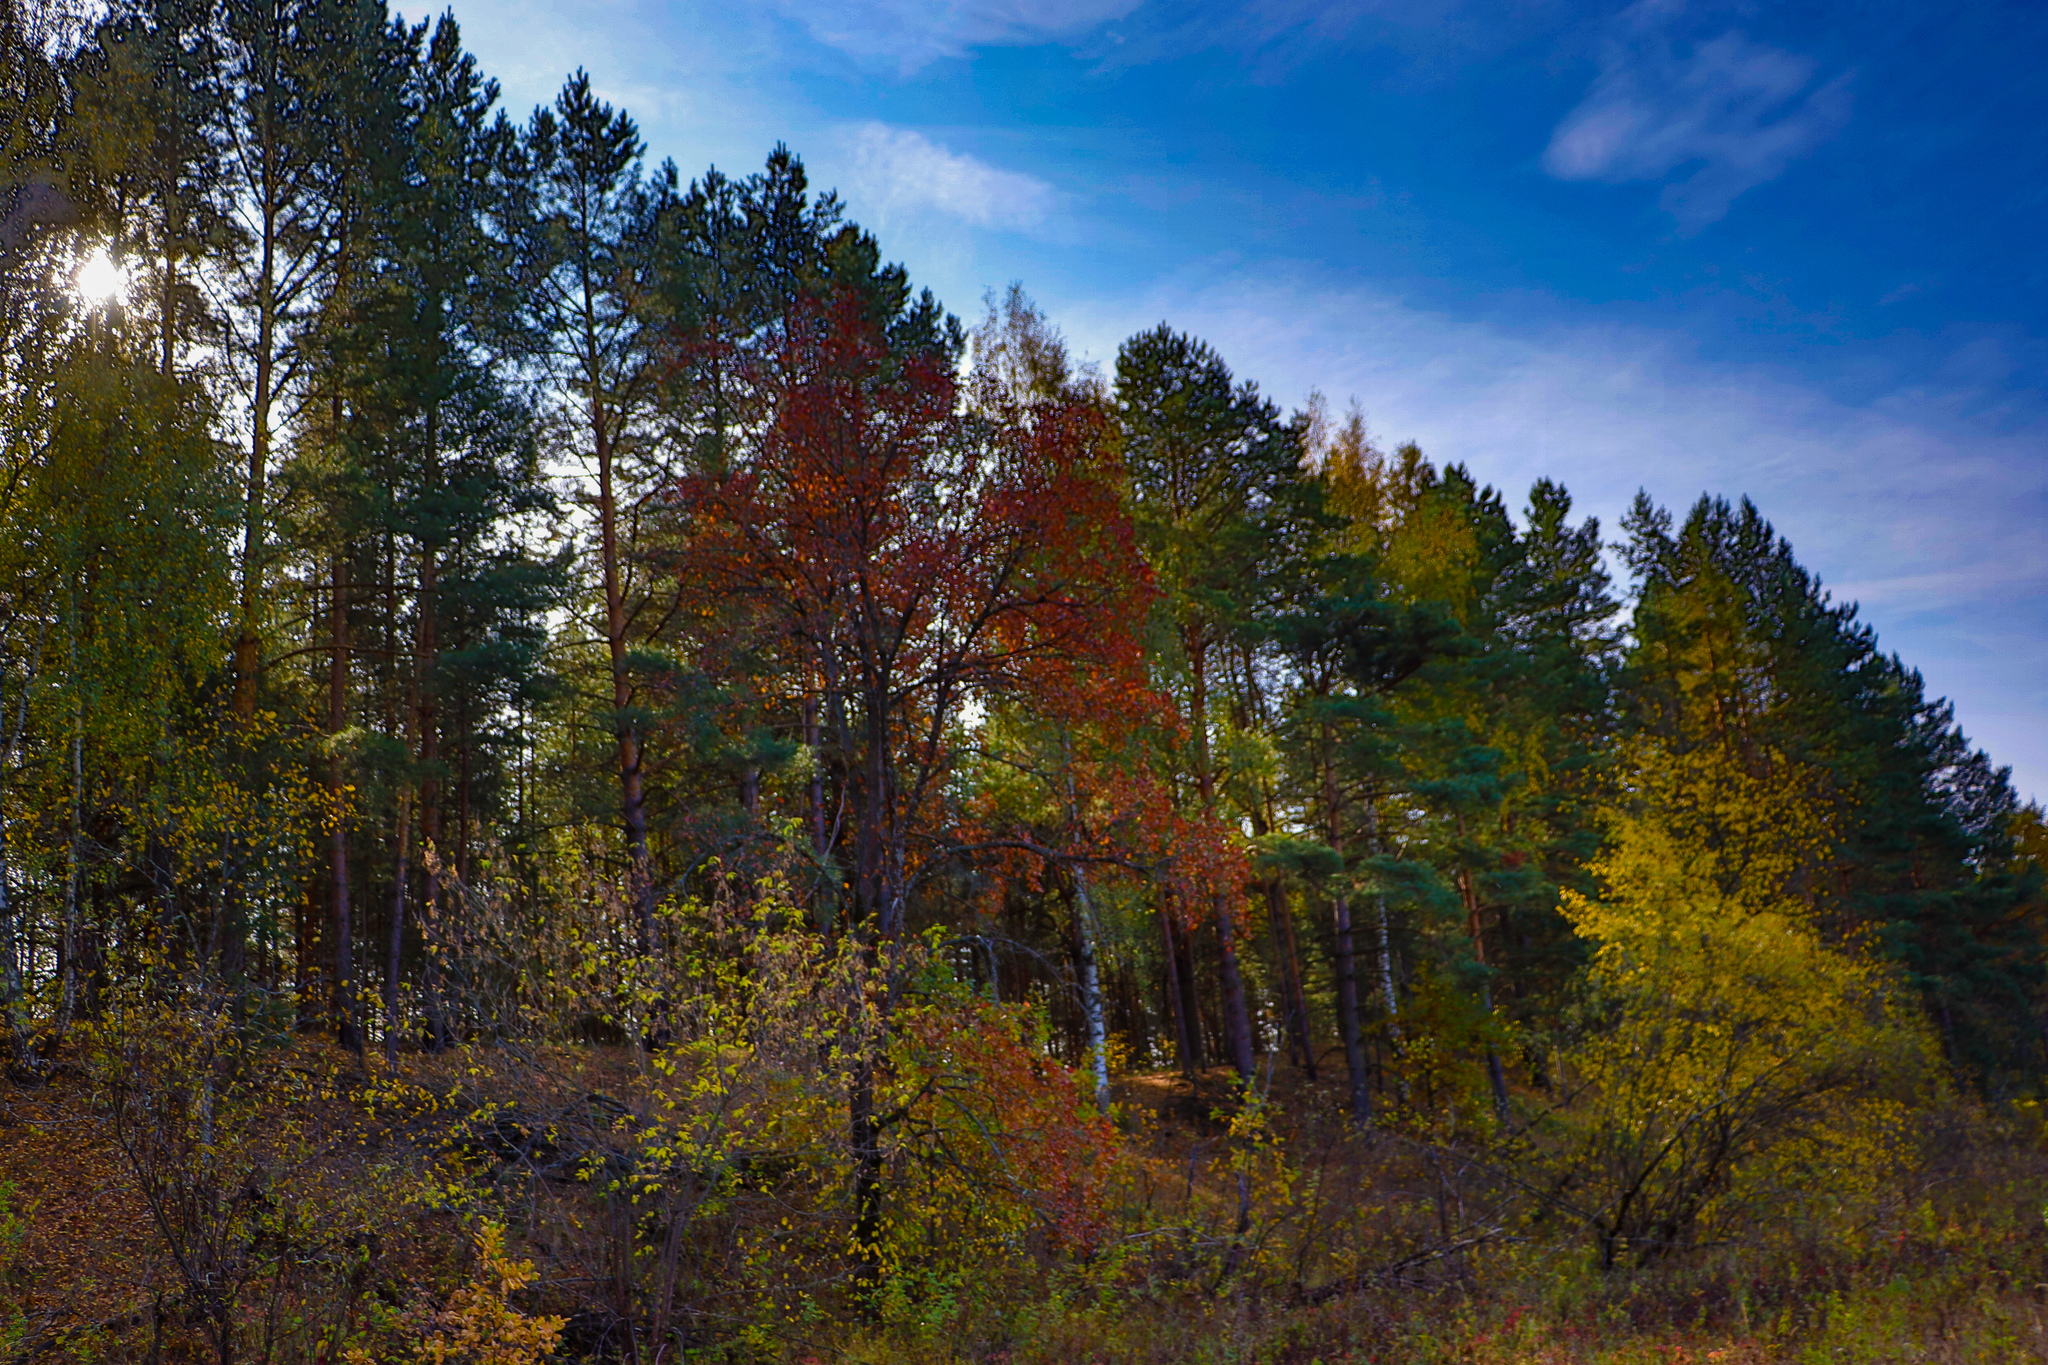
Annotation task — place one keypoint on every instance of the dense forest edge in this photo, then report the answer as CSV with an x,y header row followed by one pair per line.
x,y
587,774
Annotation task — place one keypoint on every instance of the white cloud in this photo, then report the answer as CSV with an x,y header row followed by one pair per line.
x,y
914,33
896,174
1734,112
1924,504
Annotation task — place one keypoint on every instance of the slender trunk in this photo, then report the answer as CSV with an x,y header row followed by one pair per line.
x,y
875,920
68,946
1388,999
167,319
247,658
395,929
877,886
401,874
1199,1049
10,948
1290,969
1494,1071
598,377
522,752
1347,1013
1084,942
1187,1041
67,939
1091,988
866,1137
348,1023
1348,1032
462,813
816,793
432,931
427,724
1236,1018
311,925
632,793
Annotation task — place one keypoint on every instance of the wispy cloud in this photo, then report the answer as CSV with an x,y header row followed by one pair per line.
x,y
1923,503
1732,112
914,33
897,173
1415,40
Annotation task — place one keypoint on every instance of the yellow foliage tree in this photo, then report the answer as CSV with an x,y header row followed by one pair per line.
x,y
1737,1066
2029,830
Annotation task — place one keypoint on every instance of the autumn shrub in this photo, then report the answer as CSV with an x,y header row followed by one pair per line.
x,y
707,1182
478,1324
248,1155
1945,1272
1737,1071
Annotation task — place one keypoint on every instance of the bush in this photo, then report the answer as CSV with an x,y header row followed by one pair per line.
x,y
1736,1069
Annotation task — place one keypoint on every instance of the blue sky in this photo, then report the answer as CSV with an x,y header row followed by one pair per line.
x,y
1789,252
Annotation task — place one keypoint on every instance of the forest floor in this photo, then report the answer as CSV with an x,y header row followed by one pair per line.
x,y
1961,1275
79,1240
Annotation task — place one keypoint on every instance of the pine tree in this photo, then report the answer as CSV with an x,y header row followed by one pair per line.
x,y
283,95
1214,483
455,458
590,292
1740,650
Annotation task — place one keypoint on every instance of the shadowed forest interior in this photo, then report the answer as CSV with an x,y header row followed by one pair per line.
x,y
588,773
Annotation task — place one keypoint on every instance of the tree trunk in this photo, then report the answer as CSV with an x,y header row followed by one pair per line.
x,y
1494,1071
815,794
248,660
1347,958
1388,999
427,713
463,779
1179,1001
1237,1025
168,303
402,871
394,948
866,1137
348,1022
1236,1015
1091,987
10,951
67,946
878,886
1084,940
632,792
1290,971
10,947
1347,1013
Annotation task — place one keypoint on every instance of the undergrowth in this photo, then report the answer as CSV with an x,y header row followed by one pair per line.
x,y
494,1205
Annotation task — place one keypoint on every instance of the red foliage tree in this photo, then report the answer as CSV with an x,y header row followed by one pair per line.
x,y
911,558
906,557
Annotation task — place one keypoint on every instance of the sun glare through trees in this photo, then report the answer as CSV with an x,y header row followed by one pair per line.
x,y
100,282
587,773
